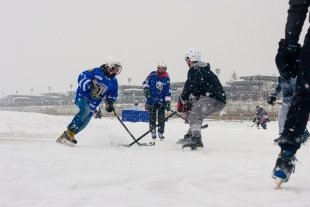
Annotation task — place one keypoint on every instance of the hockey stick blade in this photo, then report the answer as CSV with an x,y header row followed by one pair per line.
x,y
143,135
150,144
204,126
278,182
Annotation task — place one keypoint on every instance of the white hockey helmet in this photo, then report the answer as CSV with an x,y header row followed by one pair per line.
x,y
161,64
113,65
193,55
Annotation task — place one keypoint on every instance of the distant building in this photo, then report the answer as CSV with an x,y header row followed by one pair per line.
x,y
246,88
250,88
41,100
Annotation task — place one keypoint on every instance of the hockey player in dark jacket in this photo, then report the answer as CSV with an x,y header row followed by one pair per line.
x,y
205,86
289,53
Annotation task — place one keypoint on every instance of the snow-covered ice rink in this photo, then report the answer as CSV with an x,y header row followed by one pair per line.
x,y
234,169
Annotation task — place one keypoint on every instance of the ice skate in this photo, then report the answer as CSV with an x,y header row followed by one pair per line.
x,y
284,167
67,138
184,139
194,143
161,136
153,134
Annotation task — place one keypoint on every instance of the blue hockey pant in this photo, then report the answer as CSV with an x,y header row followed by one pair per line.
x,y
82,118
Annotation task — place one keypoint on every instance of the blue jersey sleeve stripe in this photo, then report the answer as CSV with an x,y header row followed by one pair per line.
x,y
85,84
81,81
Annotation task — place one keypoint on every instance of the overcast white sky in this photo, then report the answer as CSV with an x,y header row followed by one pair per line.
x,y
49,42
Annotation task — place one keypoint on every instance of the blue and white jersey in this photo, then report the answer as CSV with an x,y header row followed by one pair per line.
x,y
109,85
159,86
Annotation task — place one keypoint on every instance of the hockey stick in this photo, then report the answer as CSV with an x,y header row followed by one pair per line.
x,y
143,135
139,144
252,125
179,115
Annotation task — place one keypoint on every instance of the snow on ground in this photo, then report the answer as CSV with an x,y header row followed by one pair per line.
x,y
234,170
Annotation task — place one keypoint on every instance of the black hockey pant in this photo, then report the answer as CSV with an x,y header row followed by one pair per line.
x,y
298,113
157,111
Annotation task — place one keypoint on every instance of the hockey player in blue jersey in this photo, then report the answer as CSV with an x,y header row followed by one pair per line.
x,y
94,86
157,90
287,88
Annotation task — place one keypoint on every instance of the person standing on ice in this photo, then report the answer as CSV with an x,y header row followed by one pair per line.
x,y
157,90
135,106
94,85
205,86
287,88
289,53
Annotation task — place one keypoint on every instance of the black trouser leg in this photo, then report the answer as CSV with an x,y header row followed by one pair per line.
x,y
161,118
152,118
298,113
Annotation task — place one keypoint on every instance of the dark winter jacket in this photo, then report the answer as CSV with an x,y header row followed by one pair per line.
x,y
296,16
201,81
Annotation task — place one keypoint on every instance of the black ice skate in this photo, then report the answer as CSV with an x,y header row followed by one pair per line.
x,y
185,139
67,138
193,143
285,166
153,134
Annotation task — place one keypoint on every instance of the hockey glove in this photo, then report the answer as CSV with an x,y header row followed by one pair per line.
x,y
96,90
271,100
146,92
109,106
98,114
180,106
287,59
188,105
167,106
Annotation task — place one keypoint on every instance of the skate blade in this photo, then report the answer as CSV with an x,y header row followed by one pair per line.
x,y
278,182
187,149
65,142
199,149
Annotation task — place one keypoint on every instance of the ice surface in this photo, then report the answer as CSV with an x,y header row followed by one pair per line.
x,y
234,170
